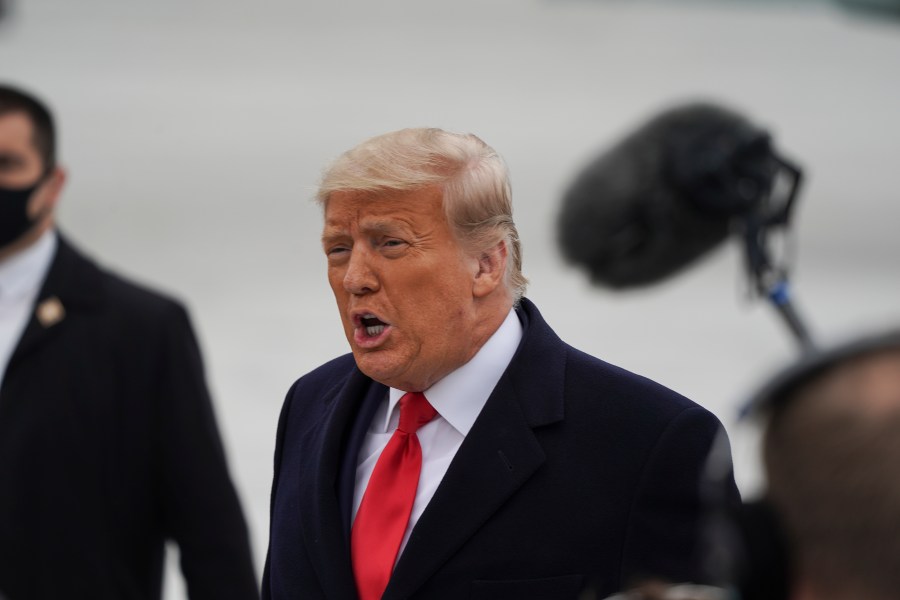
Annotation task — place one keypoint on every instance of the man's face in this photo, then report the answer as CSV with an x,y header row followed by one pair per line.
x,y
403,285
20,163
21,166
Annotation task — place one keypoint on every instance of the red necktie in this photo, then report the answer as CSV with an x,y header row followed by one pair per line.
x,y
388,500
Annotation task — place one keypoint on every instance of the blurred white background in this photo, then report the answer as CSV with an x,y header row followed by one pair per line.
x,y
195,131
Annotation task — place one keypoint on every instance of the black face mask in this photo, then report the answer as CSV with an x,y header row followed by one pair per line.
x,y
14,220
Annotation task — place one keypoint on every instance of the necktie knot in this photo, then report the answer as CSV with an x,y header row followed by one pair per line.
x,y
415,411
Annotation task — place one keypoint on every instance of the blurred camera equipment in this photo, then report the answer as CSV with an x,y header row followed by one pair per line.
x,y
675,189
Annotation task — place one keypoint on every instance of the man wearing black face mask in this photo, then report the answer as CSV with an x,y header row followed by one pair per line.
x,y
108,442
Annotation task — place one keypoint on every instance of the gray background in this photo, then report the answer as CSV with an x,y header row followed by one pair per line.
x,y
195,132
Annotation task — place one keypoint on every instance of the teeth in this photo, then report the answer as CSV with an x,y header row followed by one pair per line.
x,y
374,330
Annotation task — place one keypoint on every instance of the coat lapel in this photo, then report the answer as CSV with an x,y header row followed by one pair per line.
x,y
498,456
73,283
320,515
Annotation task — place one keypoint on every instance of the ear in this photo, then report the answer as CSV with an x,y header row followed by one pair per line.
x,y
43,203
55,185
491,270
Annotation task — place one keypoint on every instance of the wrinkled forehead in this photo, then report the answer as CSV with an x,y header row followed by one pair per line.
x,y
16,130
19,155
378,193
343,204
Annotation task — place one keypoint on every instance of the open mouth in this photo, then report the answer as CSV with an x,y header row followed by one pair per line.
x,y
372,325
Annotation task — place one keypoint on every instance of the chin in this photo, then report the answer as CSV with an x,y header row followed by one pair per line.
x,y
374,366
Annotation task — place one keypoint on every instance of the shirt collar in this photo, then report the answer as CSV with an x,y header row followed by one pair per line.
x,y
21,275
460,396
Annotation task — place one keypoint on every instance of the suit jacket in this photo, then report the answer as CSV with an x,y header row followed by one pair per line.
x,y
109,447
575,473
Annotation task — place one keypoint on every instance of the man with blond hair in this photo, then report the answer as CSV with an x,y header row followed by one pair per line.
x,y
462,450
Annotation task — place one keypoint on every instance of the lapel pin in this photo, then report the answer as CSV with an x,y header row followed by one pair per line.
x,y
50,312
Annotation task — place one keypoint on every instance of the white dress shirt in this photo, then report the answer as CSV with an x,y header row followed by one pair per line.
x,y
458,399
21,276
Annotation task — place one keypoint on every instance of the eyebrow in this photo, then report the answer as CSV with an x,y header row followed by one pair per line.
x,y
373,226
383,226
329,237
10,159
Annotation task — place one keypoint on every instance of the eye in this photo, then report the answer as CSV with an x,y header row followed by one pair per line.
x,y
336,251
391,247
7,162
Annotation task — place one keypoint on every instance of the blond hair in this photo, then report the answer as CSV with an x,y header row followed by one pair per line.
x,y
477,197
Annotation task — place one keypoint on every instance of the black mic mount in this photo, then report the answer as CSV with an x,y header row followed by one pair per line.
x,y
740,177
674,189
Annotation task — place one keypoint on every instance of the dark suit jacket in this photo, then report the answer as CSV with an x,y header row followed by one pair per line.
x,y
108,446
575,473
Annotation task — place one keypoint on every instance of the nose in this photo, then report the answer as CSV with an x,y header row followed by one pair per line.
x,y
360,277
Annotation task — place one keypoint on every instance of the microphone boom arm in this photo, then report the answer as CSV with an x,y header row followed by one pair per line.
x,y
771,280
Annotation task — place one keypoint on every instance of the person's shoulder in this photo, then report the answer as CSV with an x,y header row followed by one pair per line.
x,y
593,382
616,385
120,293
341,365
127,293
637,411
330,374
307,396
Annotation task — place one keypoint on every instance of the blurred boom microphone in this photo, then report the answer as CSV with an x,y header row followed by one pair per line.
x,y
665,195
672,191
